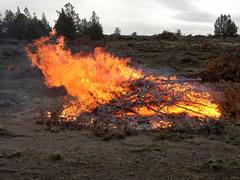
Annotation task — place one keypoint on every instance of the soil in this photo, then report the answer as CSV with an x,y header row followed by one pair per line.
x,y
32,151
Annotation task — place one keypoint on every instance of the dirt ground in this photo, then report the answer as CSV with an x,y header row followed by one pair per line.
x,y
30,151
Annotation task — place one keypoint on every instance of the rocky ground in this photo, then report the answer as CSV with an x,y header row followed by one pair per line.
x,y
31,151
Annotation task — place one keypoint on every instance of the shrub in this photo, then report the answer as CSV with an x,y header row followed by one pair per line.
x,y
134,34
231,101
168,35
208,45
224,67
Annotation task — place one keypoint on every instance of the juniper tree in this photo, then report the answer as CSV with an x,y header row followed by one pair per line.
x,y
225,26
95,29
117,31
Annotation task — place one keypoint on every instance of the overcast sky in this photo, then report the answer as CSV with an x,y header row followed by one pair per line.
x,y
143,16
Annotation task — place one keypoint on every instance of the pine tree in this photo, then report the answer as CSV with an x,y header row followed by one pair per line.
x,y
8,22
24,25
46,28
1,24
65,25
95,28
20,26
225,27
68,22
178,33
117,31
84,27
27,13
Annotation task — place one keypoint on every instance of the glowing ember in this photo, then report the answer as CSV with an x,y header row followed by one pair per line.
x,y
160,124
98,78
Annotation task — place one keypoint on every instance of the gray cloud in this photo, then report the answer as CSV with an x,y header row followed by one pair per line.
x,y
186,11
191,16
176,4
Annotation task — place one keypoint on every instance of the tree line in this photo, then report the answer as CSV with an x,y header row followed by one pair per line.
x,y
24,25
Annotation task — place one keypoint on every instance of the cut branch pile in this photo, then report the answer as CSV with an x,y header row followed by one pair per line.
x,y
147,94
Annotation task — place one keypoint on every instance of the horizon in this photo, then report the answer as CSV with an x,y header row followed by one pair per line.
x,y
189,16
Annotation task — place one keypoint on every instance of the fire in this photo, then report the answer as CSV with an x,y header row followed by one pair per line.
x,y
160,124
99,77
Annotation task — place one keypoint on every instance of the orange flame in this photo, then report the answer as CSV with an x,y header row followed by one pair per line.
x,y
97,78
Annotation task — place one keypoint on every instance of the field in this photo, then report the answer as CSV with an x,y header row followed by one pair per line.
x,y
29,150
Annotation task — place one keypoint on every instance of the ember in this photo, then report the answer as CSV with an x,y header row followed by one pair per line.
x,y
104,85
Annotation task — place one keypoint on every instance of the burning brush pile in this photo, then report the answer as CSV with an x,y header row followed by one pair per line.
x,y
105,92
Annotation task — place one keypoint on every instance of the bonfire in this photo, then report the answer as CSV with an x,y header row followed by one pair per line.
x,y
104,90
